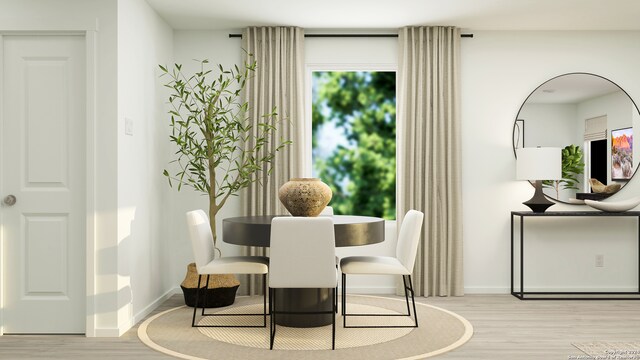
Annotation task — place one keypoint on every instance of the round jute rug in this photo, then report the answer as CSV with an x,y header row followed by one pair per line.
x,y
440,331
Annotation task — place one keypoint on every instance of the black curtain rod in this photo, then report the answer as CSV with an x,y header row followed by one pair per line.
x,y
350,35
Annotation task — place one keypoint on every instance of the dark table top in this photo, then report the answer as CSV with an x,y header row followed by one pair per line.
x,y
350,230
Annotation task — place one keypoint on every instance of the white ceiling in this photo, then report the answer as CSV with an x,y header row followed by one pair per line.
x,y
393,14
572,89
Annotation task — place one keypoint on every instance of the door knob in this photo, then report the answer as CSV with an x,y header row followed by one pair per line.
x,y
9,200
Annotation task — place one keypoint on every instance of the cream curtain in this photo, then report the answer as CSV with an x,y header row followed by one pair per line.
x,y
429,153
278,82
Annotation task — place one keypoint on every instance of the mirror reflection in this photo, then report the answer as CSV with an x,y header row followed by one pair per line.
x,y
594,121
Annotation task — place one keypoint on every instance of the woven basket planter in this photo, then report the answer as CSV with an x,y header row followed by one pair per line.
x,y
221,290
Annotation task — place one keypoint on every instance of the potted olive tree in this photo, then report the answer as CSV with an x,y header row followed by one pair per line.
x,y
219,149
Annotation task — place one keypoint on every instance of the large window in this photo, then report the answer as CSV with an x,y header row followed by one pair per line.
x,y
354,140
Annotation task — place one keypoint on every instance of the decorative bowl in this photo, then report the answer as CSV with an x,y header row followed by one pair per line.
x,y
599,187
614,206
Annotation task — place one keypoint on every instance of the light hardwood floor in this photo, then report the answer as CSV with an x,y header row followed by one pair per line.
x,y
504,328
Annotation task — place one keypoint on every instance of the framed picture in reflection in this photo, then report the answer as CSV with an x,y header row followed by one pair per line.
x,y
622,154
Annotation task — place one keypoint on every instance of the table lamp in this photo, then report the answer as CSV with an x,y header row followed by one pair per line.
x,y
538,164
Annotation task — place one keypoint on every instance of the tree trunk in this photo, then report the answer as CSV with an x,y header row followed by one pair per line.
x,y
212,220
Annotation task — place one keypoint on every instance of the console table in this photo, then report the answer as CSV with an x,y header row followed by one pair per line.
x,y
549,295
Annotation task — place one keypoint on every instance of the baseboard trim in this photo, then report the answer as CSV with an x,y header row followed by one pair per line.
x,y
154,305
107,332
123,328
578,289
487,290
506,290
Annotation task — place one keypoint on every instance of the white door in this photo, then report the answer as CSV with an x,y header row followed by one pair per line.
x,y
43,167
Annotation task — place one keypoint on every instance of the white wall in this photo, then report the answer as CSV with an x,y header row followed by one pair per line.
x,y
551,125
144,41
499,70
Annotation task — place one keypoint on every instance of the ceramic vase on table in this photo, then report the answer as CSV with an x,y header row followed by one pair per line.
x,y
305,196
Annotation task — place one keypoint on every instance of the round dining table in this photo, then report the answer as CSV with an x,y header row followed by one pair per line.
x,y
350,230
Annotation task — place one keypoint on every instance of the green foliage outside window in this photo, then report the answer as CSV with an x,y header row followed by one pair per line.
x,y
354,140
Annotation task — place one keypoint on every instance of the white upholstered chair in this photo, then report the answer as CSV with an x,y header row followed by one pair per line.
x,y
328,211
302,255
401,264
207,264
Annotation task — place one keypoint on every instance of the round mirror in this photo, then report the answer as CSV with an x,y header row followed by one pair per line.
x,y
594,121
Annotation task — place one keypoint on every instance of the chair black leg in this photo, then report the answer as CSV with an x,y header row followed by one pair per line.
x,y
333,322
406,295
413,300
273,311
270,319
264,300
336,300
408,288
206,286
204,299
272,298
195,306
344,300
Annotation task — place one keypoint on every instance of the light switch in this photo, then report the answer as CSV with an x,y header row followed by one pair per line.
x,y
128,126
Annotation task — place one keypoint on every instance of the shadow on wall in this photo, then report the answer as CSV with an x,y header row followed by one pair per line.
x,y
114,309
